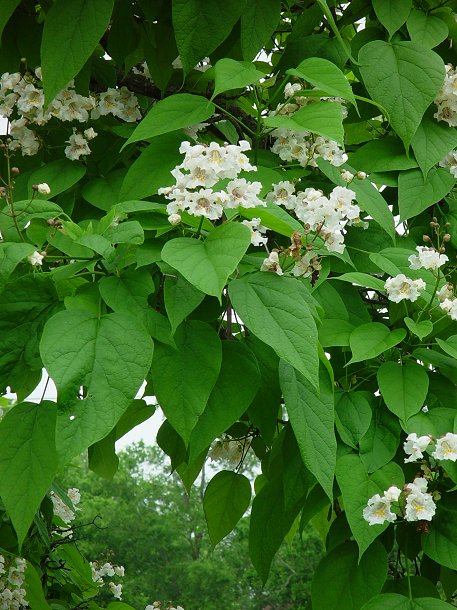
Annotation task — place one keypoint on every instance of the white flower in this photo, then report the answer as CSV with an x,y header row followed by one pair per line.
x,y
392,494
119,570
35,259
428,258
43,188
346,175
446,448
77,148
450,307
283,194
414,446
290,89
74,495
401,287
90,133
257,231
243,194
174,219
378,510
424,409
419,504
446,292
272,263
116,590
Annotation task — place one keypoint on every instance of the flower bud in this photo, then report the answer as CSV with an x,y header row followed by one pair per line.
x,y
347,176
426,238
174,219
361,175
42,188
15,171
446,237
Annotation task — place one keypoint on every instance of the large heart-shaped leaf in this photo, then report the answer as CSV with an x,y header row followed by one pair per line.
x,y
207,264
403,387
404,77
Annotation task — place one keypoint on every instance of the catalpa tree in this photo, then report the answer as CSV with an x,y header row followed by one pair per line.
x,y
249,206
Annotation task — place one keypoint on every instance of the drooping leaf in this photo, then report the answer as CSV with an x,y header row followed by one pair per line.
x,y
371,339
324,75
392,13
151,170
357,487
312,418
379,445
102,355
226,499
323,118
353,416
172,113
425,29
420,329
403,387
11,254
449,346
7,8
404,77
200,29
28,460
34,588
352,583
227,401
207,264
258,22
71,33
384,155
275,309
231,74
416,194
394,601
181,298
431,142
440,543
184,377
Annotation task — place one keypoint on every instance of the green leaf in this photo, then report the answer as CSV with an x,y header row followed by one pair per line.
x,y
431,142
323,118
102,355
200,27
380,443
335,332
151,170
226,499
34,588
394,601
353,417
273,217
70,35
228,401
172,113
392,13
102,456
449,346
440,543
324,75
231,74
28,461
11,255
352,583
404,77
372,202
275,309
312,418
403,387
420,329
60,175
7,8
427,30
416,194
208,264
384,155
361,279
258,22
185,377
181,299
372,339
357,487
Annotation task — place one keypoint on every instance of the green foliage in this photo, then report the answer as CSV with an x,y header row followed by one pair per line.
x,y
260,234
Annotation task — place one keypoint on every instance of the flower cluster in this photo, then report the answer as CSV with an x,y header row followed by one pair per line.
x,y
448,302
22,102
159,606
450,161
415,504
401,287
12,577
303,146
105,571
446,100
445,447
325,216
202,168
230,450
61,509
